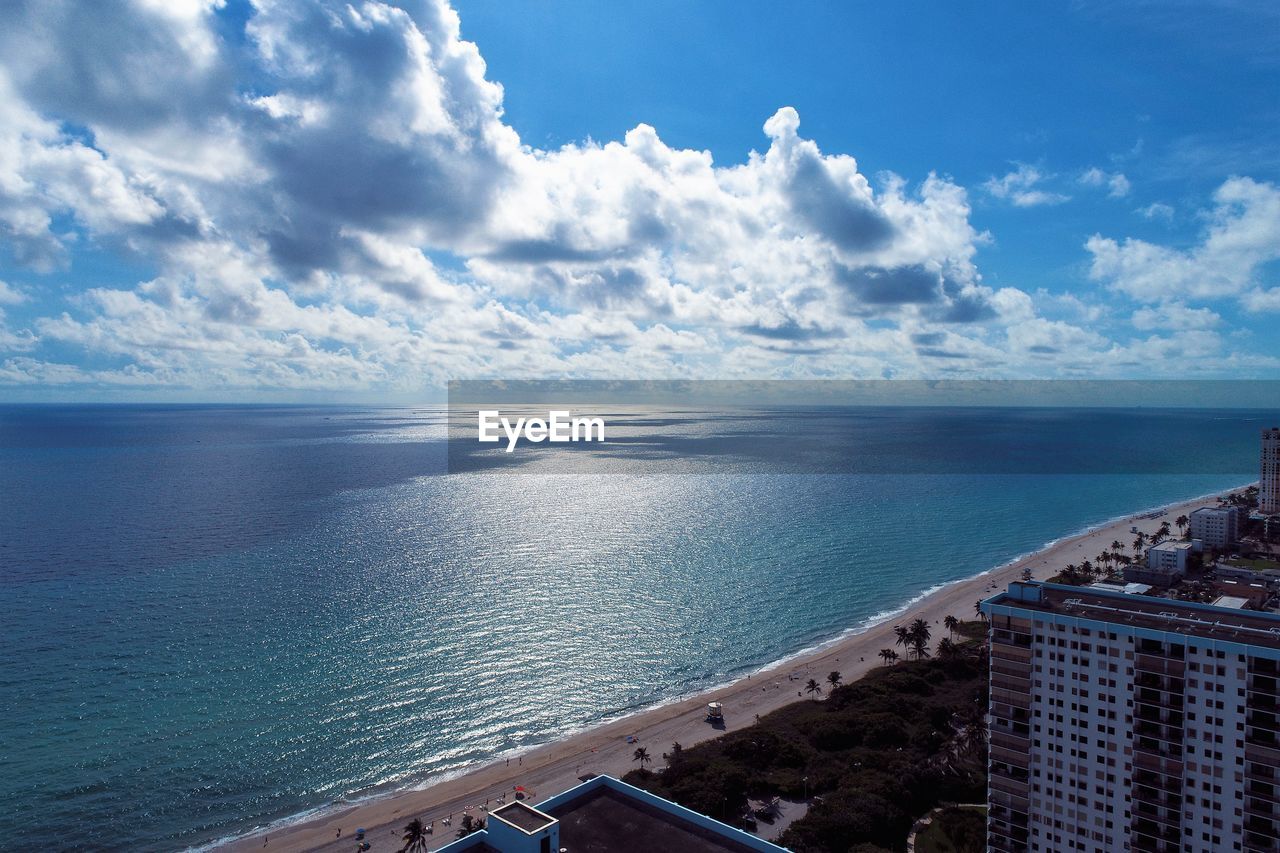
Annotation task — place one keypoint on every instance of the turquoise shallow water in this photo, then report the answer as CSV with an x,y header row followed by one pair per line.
x,y
218,618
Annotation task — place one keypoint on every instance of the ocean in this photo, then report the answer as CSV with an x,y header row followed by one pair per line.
x,y
218,618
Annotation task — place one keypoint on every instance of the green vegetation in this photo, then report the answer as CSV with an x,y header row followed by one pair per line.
x,y
1257,564
954,830
873,755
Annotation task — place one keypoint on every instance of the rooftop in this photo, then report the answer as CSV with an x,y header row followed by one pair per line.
x,y
604,820
1171,545
523,817
1161,614
604,815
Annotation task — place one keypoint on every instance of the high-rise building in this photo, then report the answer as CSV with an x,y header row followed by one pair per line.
x,y
1218,527
1129,722
1269,482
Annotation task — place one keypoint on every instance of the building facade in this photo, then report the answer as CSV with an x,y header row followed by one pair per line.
x,y
1269,476
1126,722
1169,554
1217,527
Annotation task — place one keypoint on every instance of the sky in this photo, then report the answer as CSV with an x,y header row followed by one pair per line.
x,y
329,201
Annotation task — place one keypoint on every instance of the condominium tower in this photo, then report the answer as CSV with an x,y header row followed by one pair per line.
x,y
1129,722
1269,482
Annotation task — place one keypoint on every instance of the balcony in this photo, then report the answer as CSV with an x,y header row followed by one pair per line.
x,y
1156,832
1156,763
1159,665
1011,670
1262,808
1264,684
1152,713
1262,827
1167,797
1008,786
1262,737
1016,698
1168,818
1265,702
1264,756
1167,734
1165,684
1156,747
1010,741
1158,698
1256,843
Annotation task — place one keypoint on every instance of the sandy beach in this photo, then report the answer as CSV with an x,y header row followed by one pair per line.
x,y
553,767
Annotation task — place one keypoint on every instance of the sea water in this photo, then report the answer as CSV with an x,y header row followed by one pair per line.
x,y
218,618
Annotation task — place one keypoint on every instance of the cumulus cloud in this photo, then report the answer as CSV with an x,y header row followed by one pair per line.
x,y
1243,234
1116,183
327,196
1157,210
1020,188
1175,315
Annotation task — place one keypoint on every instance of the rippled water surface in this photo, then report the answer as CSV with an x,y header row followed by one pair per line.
x,y
217,618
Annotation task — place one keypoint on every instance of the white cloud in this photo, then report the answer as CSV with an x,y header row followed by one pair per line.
x,y
1116,183
1019,187
338,204
1157,210
1243,234
1262,301
10,295
1175,315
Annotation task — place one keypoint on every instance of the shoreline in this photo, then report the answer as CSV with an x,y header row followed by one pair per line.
x,y
604,748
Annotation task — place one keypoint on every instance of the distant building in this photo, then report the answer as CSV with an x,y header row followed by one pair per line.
x,y
1170,554
1217,527
1127,588
1128,723
608,816
1253,590
1160,576
1269,479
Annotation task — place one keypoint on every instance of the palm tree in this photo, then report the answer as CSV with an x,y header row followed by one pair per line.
x,y
904,637
918,636
1182,521
642,755
415,837
814,689
833,678
1164,529
1071,574
950,623
889,656
947,649
469,825
1116,547
977,608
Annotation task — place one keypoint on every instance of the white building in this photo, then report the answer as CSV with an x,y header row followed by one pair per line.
x,y
1126,723
1269,479
1169,554
1217,527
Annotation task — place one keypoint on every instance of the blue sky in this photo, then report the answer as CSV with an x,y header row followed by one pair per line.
x,y
361,201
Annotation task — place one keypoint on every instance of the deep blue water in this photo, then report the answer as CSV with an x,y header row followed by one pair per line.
x,y
219,617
